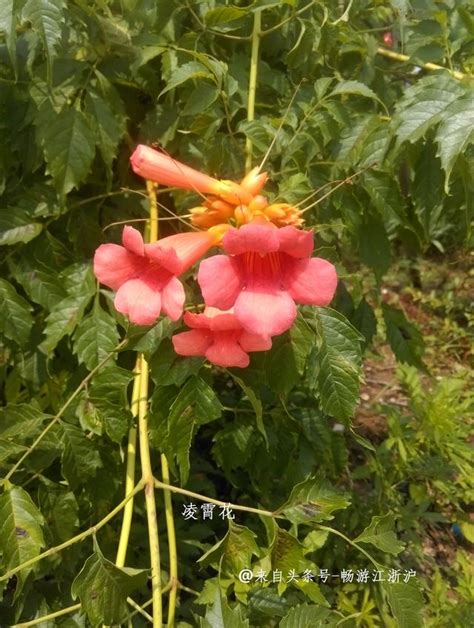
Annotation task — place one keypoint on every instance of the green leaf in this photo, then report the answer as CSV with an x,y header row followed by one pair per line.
x,y
374,245
199,398
195,404
313,500
108,398
235,549
21,421
405,339
80,460
69,147
21,534
424,105
186,72
16,225
62,321
8,20
103,588
202,97
95,337
256,405
365,321
223,15
309,616
169,368
286,552
220,615
380,533
340,358
15,318
60,510
455,133
406,602
109,126
46,17
357,89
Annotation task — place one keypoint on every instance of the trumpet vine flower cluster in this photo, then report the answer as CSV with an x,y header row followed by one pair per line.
x,y
250,289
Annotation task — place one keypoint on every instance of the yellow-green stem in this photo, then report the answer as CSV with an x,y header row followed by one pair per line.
x,y
398,56
45,618
75,539
153,224
130,474
257,27
148,480
173,554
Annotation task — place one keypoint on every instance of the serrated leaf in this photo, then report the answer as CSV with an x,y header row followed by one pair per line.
x,y
21,534
220,615
80,460
109,127
16,225
108,397
405,339
357,89
46,17
195,404
69,147
103,588
313,500
286,552
236,550
455,133
95,337
339,363
15,317
21,421
380,533
63,320
9,448
424,105
309,616
186,72
406,602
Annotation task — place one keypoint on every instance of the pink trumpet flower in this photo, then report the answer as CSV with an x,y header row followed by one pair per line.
x,y
145,275
150,164
267,271
219,337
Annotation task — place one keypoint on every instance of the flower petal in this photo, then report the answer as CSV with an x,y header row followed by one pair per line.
x,y
265,313
133,241
194,342
114,265
252,342
179,252
295,242
139,300
219,280
225,351
150,164
172,298
311,281
261,238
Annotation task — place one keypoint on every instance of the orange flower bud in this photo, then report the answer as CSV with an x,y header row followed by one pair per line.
x,y
254,181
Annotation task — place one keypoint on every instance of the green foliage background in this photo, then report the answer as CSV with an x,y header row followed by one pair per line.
x,y
81,83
